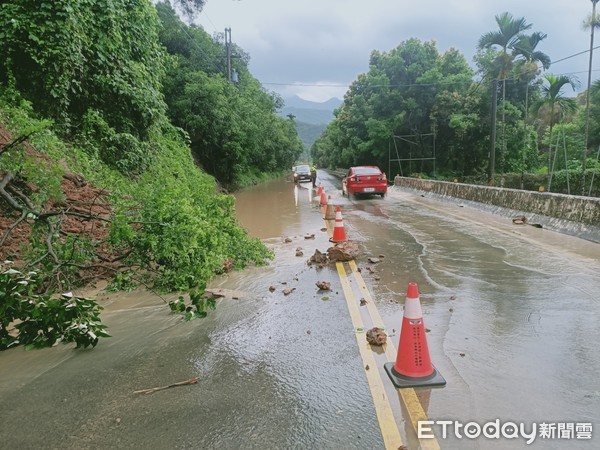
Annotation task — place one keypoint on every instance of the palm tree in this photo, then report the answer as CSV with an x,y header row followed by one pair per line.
x,y
525,48
507,35
553,100
509,30
593,23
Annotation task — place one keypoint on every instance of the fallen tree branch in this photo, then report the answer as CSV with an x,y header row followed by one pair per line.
x,y
12,227
156,389
14,143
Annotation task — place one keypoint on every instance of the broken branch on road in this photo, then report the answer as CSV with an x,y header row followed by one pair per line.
x,y
162,388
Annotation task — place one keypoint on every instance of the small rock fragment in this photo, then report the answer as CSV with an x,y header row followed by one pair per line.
x,y
288,291
318,258
309,236
272,288
376,336
287,240
367,367
461,354
363,302
299,253
323,285
427,330
374,260
519,220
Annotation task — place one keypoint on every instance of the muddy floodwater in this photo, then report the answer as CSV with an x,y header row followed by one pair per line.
x,y
512,313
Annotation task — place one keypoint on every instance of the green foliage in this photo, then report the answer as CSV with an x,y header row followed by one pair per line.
x,y
410,92
94,67
196,308
233,128
42,320
122,281
68,57
181,227
122,151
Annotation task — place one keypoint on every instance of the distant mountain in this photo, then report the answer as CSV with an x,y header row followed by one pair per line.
x,y
297,102
310,112
311,117
309,132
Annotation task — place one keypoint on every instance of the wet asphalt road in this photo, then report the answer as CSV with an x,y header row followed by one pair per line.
x,y
513,314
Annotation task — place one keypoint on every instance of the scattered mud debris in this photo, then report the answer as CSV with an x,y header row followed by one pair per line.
x,y
343,251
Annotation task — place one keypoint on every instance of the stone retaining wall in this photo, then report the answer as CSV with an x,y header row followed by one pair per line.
x,y
570,214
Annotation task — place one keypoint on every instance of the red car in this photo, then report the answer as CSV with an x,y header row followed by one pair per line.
x,y
364,180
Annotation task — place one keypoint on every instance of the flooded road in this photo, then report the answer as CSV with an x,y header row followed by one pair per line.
x,y
513,313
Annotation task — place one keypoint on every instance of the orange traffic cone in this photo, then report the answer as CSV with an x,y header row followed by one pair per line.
x,y
323,200
320,190
413,365
339,233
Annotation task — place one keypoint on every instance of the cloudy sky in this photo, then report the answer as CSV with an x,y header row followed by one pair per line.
x,y
316,48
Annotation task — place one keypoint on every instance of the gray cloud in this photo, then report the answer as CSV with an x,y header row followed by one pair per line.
x,y
329,42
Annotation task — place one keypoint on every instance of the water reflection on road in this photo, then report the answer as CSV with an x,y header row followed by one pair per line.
x,y
513,315
513,311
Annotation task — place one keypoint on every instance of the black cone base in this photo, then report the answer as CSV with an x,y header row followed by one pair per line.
x,y
402,381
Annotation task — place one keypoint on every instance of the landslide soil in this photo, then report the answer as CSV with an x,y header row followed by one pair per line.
x,y
78,196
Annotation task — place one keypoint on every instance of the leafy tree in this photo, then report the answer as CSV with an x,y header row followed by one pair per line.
x,y
412,91
525,50
233,129
509,33
94,67
553,103
592,23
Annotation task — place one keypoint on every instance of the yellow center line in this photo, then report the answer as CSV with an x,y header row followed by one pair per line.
x,y
385,416
409,396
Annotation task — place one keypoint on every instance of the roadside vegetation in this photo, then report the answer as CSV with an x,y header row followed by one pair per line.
x,y
433,112
119,133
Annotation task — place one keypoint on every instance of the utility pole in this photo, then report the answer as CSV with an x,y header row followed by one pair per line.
x,y
493,137
228,49
587,98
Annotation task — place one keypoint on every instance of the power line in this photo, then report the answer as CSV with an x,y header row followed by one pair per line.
x,y
441,83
